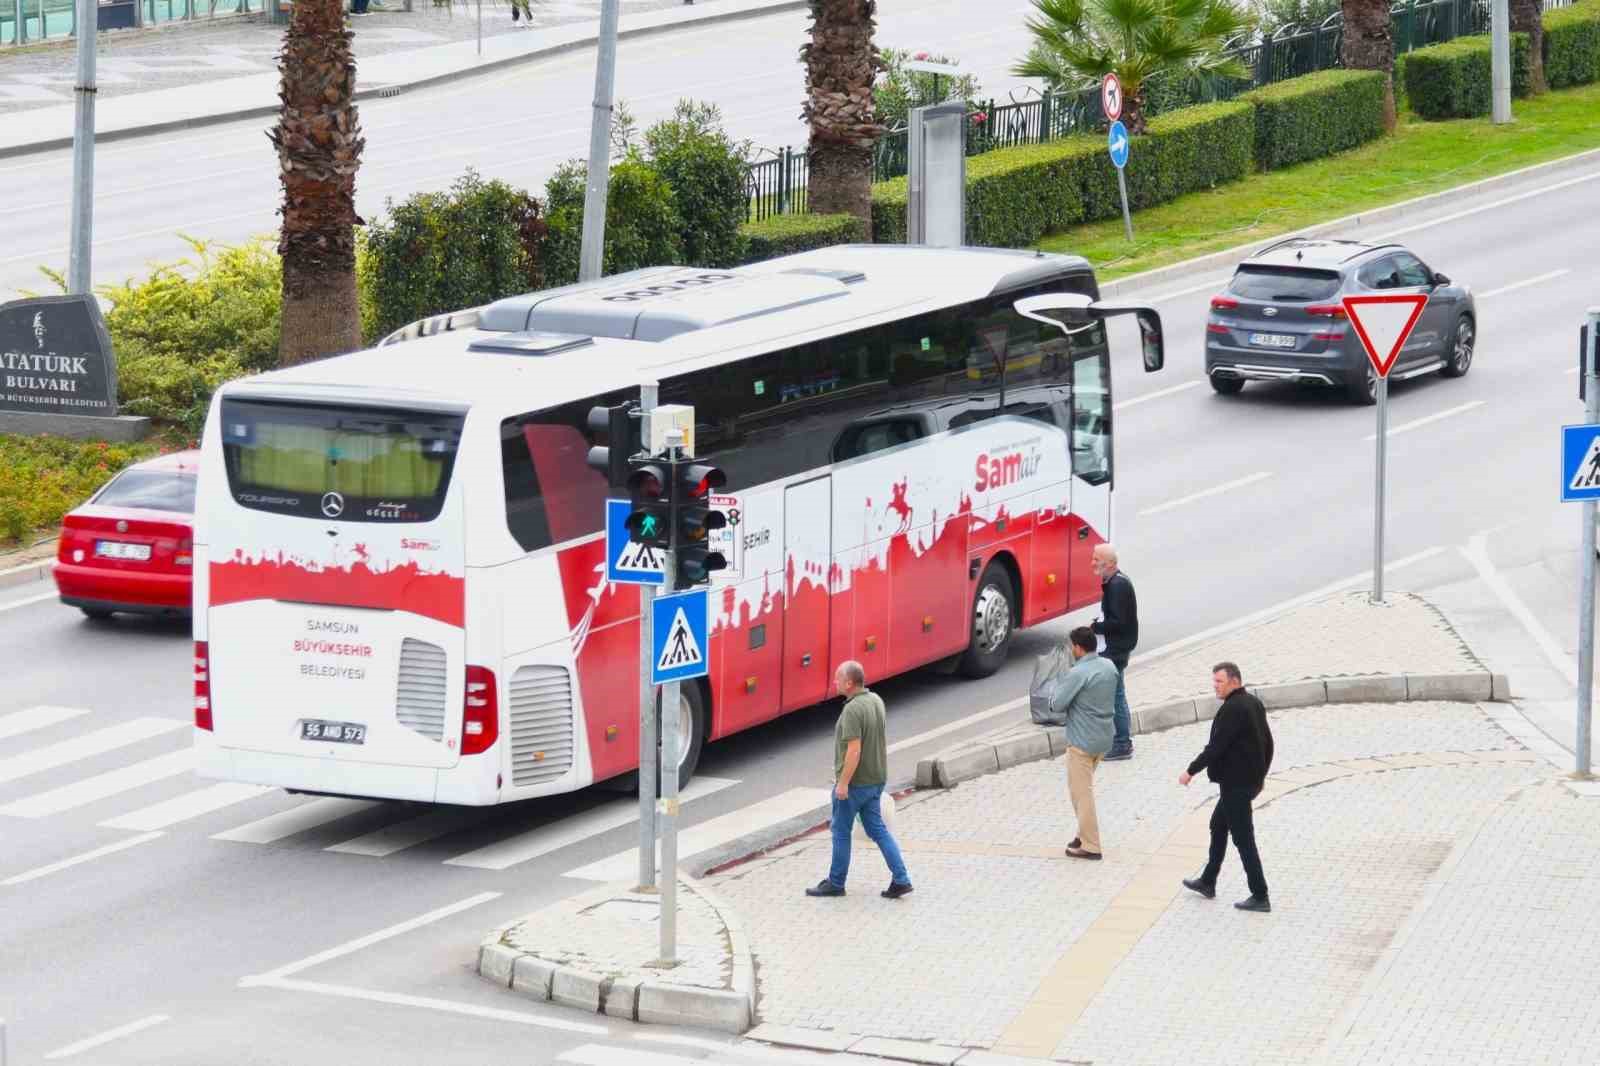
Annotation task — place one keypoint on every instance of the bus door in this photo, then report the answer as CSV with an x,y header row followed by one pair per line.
x,y
1091,463
807,559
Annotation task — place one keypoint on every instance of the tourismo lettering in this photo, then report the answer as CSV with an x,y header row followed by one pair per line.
x,y
994,473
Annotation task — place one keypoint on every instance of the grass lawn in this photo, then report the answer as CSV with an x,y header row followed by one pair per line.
x,y
1420,158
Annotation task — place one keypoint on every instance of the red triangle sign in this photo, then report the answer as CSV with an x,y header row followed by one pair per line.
x,y
1383,323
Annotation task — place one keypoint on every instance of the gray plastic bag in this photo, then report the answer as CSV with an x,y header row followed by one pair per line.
x,y
1047,674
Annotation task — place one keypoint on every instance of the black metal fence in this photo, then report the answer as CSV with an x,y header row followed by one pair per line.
x,y
777,184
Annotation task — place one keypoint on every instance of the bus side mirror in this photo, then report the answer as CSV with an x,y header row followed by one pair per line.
x,y
1155,350
1073,312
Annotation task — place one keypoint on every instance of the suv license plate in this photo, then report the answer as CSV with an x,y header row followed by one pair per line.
x,y
338,732
1273,340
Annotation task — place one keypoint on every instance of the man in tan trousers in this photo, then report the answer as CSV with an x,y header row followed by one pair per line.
x,y
1086,696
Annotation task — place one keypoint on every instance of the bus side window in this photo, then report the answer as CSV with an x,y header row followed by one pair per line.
x,y
552,494
1091,418
875,436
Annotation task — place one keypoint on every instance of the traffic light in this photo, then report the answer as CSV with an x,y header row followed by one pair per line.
x,y
693,521
650,488
617,426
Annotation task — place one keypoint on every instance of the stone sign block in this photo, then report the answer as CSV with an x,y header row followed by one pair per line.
x,y
58,373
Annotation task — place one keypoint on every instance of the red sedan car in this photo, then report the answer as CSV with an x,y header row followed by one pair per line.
x,y
130,547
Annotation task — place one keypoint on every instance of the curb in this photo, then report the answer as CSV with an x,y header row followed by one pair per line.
x,y
26,574
978,758
1228,258
730,1010
395,88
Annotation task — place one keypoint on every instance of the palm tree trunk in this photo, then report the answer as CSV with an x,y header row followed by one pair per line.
x,y
1527,16
841,62
319,144
1369,45
1133,105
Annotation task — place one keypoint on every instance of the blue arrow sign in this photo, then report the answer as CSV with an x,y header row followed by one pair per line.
x,y
628,563
1580,463
1117,143
680,625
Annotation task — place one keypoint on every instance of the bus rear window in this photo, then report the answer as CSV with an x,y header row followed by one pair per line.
x,y
353,464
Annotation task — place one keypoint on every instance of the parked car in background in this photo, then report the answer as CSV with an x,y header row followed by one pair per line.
x,y
1281,318
130,547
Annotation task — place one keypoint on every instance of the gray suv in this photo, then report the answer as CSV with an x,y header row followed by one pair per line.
x,y
1280,318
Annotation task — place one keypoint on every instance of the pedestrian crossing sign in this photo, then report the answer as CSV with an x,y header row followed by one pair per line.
x,y
628,563
1580,463
679,631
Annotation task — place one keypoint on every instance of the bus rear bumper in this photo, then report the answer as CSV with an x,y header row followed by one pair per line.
x,y
418,784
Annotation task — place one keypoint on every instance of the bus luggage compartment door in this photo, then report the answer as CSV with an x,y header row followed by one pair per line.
x,y
807,557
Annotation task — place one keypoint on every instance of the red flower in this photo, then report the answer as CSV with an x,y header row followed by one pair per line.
x,y
920,56
979,116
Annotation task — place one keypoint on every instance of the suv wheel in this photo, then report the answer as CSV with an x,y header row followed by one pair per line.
x,y
1459,359
1364,390
1226,386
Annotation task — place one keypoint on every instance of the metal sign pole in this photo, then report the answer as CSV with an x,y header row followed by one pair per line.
x,y
1377,532
480,27
667,805
78,272
647,696
591,253
1127,219
1591,412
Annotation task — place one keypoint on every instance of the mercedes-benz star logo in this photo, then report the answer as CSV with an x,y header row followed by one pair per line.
x,y
332,504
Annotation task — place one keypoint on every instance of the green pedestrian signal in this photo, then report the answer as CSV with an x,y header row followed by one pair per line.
x,y
649,489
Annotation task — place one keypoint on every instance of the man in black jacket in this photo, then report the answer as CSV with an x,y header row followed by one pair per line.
x,y
1237,757
1119,624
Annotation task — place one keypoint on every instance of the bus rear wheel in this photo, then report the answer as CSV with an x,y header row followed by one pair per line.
x,y
993,621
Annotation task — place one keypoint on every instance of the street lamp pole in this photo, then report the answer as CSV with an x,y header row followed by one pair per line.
x,y
78,272
591,257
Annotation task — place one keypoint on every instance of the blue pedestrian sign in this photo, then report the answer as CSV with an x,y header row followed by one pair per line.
x,y
680,625
1580,463
1117,143
628,563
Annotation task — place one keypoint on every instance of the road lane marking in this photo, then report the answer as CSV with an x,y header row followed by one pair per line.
x,y
1215,490
958,724
603,1055
707,835
554,836
1158,394
1407,427
30,601
88,856
90,744
287,823
349,947
1476,552
189,805
410,833
398,999
107,1037
1493,205
1541,279
101,786
1191,290
36,718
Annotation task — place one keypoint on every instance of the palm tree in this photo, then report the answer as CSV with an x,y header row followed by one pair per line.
x,y
1368,44
319,144
1078,42
1527,16
841,65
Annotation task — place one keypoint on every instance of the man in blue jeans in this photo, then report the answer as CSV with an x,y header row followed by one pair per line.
x,y
1119,625
860,770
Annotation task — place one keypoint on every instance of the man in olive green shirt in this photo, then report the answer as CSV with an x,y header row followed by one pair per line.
x,y
860,771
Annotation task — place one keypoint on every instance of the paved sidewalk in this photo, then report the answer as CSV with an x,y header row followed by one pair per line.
x,y
192,75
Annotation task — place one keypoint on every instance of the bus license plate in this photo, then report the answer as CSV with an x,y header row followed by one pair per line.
x,y
116,549
1273,340
338,732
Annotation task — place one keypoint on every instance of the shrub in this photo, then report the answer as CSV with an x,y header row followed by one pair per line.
x,y
642,223
438,252
787,234
1015,196
1572,45
898,90
172,388
1184,151
42,478
1316,115
1453,80
705,169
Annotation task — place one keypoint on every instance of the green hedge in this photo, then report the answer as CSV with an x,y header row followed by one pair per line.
x,y
1453,80
787,234
1572,45
1316,115
1184,151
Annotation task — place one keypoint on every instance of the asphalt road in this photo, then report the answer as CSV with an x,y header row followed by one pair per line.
x,y
158,935
220,182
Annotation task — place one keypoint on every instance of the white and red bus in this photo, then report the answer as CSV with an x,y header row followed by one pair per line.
x,y
398,563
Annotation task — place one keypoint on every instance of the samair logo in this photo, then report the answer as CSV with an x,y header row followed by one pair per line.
x,y
998,471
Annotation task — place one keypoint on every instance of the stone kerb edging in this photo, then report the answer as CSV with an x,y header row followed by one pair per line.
x,y
992,754
632,998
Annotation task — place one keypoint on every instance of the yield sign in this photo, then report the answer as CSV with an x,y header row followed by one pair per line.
x,y
1383,323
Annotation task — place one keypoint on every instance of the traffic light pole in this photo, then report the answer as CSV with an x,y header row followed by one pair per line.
x,y
1585,714
667,805
647,697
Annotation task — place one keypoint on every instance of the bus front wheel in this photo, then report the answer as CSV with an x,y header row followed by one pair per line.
x,y
993,620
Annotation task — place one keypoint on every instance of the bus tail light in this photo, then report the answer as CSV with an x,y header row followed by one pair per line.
x,y
202,685
480,718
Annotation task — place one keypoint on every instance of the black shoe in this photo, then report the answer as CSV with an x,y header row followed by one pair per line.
x,y
1075,843
1255,903
824,887
895,890
1119,754
1205,888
